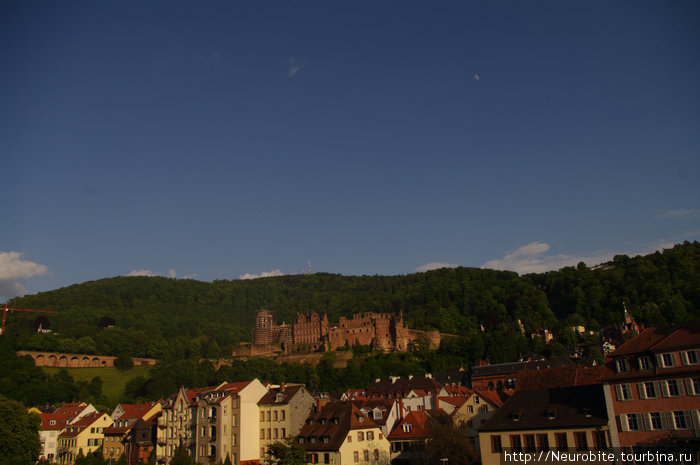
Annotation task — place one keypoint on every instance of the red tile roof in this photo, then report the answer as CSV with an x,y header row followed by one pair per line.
x,y
420,427
60,421
333,422
572,375
136,410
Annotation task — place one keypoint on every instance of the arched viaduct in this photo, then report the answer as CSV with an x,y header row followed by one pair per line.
x,y
57,359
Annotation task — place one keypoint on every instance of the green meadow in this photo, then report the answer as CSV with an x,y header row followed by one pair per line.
x,y
113,379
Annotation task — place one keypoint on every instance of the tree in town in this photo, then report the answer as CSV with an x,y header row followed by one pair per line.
x,y
19,434
286,452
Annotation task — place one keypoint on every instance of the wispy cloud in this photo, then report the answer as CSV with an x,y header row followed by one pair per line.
x,y
264,274
13,270
171,273
294,66
678,214
435,266
141,273
476,77
533,257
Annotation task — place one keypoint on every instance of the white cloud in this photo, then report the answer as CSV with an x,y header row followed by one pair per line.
x,y
141,273
532,258
264,274
13,269
171,273
678,215
435,266
476,77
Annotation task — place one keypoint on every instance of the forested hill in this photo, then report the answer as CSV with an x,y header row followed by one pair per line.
x,y
658,288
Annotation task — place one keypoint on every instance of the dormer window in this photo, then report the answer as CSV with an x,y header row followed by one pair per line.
x,y
666,360
622,365
279,397
644,364
407,427
690,357
377,414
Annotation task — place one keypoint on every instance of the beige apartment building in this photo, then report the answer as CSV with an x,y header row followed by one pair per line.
x,y
283,411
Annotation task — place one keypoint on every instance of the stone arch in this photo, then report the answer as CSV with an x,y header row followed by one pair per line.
x,y
85,362
74,362
63,361
95,362
39,360
51,360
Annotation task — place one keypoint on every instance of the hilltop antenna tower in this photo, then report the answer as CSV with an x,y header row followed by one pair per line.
x,y
309,266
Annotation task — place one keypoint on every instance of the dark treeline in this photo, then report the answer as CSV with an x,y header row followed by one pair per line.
x,y
172,319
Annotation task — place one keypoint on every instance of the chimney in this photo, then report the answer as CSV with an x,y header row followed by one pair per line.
x,y
283,386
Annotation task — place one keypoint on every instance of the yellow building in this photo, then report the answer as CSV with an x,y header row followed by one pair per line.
x,y
85,435
565,418
340,434
471,411
282,412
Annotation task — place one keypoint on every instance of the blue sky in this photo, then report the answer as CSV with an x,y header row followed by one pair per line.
x,y
219,140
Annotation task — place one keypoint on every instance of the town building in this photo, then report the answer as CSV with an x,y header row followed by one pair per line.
x,y
560,418
504,376
412,432
176,423
652,388
52,424
470,412
283,412
124,417
226,422
340,434
83,436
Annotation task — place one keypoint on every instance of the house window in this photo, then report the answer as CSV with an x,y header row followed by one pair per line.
x,y
649,390
356,456
695,384
562,442
365,454
530,442
262,416
349,438
622,365
282,414
262,433
484,408
268,415
680,419
673,388
581,441
326,457
275,433
360,436
655,420
623,392
600,441
691,357
667,360
274,415
476,399
284,433
470,409
632,422
370,435
407,427
515,443
542,442
377,414
644,363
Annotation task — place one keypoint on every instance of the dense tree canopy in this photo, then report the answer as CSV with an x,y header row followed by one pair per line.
x,y
19,434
